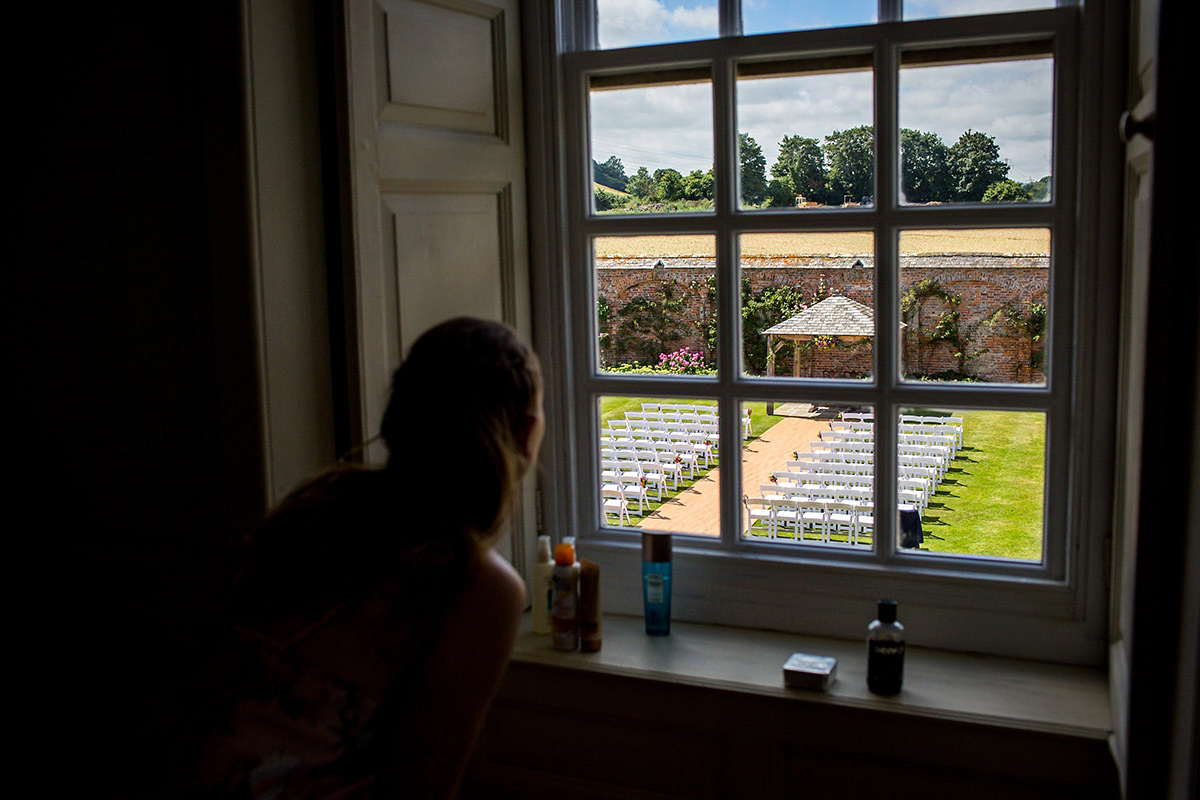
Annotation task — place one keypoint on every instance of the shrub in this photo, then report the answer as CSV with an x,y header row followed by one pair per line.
x,y
641,369
606,201
683,361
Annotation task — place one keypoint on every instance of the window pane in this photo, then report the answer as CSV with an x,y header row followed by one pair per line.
x,y
808,478
771,16
977,132
658,464
977,478
808,304
806,135
927,9
652,148
974,304
624,23
656,304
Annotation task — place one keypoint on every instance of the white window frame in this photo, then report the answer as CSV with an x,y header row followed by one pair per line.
x,y
1055,610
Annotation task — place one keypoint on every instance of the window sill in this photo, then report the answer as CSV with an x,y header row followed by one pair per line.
x,y
1025,695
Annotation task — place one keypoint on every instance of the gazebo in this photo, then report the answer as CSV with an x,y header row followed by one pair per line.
x,y
847,319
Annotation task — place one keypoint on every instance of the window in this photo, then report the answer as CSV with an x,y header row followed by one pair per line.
x,y
846,238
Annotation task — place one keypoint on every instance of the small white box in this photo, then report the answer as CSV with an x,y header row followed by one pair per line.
x,y
804,671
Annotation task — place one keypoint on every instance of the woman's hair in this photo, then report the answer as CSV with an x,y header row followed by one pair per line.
x,y
459,413
455,428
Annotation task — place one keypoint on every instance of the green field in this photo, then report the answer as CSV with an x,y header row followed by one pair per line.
x,y
991,501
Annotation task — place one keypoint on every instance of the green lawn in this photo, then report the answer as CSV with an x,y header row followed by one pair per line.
x,y
991,501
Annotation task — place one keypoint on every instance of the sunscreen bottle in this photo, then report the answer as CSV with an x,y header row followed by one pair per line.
x,y
543,586
589,606
564,619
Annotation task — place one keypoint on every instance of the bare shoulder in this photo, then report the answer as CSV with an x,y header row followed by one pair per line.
x,y
496,594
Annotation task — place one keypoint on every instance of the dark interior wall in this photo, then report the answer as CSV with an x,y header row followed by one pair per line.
x,y
131,333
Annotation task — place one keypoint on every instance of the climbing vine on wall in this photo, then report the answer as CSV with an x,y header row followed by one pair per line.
x,y
948,328
1029,323
651,325
603,314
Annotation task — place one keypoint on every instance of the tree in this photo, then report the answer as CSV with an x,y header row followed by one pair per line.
x,y
850,155
753,173
668,185
801,167
1039,190
779,194
1006,191
641,185
924,168
698,185
975,164
611,173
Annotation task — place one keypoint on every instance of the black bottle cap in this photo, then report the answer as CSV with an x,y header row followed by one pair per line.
x,y
887,610
656,547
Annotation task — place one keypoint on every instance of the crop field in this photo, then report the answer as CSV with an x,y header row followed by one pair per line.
x,y
996,241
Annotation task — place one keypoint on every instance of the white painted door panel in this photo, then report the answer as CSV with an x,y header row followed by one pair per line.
x,y
438,193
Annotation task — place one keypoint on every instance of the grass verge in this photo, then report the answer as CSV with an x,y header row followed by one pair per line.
x,y
991,501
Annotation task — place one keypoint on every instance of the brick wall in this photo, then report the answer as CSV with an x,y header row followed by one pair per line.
x,y
985,283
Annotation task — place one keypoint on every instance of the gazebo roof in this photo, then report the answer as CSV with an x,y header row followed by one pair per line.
x,y
833,316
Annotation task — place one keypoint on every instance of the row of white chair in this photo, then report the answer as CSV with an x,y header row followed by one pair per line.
x,y
840,472
701,411
650,427
692,449
864,453
909,423
663,469
910,491
680,407
800,516
868,437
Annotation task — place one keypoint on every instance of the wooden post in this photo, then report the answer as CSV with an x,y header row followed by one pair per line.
x,y
770,368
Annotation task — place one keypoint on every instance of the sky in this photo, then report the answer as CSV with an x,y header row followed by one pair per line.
x,y
672,126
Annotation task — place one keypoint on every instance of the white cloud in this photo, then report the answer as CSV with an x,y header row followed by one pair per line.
x,y
1010,101
672,126
631,22
655,127
627,22
918,9
701,19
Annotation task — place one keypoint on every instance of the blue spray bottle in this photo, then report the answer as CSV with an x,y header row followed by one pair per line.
x,y
656,582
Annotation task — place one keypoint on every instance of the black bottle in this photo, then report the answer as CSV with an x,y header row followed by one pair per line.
x,y
885,651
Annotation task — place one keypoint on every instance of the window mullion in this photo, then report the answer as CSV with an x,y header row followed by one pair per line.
x,y
725,200
887,276
730,17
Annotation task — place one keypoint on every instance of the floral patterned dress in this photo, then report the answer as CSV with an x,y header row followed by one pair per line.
x,y
296,717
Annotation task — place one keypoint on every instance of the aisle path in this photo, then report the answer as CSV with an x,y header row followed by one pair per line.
x,y
695,510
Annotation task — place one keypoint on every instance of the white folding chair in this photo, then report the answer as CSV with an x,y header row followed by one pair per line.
x,y
759,510
786,516
864,514
812,517
840,518
612,496
635,488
